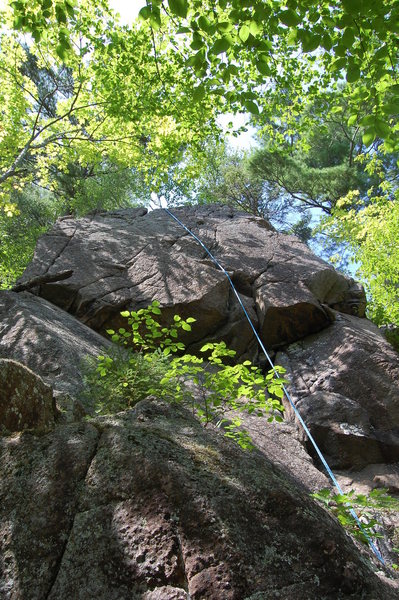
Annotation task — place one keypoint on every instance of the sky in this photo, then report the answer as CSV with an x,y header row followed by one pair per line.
x,y
128,9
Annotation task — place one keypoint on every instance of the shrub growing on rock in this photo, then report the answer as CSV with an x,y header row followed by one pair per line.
x,y
149,360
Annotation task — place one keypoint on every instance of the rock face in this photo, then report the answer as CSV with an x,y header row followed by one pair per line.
x,y
345,383
147,504
47,340
39,494
127,258
26,402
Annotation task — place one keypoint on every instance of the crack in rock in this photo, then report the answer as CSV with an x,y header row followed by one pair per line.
x,y
68,241
58,565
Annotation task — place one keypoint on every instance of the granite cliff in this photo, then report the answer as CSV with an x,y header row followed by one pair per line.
x,y
147,503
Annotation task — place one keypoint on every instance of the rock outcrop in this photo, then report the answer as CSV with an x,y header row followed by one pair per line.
x,y
147,503
48,340
127,258
345,382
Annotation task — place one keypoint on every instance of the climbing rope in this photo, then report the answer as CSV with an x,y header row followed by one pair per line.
x,y
286,392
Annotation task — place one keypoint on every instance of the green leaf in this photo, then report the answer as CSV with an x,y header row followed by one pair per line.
x,y
326,42
251,107
340,50
389,145
367,120
352,6
155,20
179,7
243,33
196,60
224,26
61,50
255,28
197,44
60,14
348,37
337,64
292,37
352,120
36,34
18,22
309,42
186,326
263,68
390,108
353,73
382,128
145,13
221,45
69,8
289,18
206,347
369,136
204,23
381,53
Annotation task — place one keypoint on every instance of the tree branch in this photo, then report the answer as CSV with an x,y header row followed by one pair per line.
x,y
46,278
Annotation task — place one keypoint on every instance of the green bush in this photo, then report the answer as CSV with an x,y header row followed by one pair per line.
x,y
120,379
146,362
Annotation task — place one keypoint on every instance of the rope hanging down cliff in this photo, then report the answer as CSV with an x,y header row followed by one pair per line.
x,y
286,392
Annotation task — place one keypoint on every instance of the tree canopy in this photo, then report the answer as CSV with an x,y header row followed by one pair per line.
x,y
272,58
92,108
106,97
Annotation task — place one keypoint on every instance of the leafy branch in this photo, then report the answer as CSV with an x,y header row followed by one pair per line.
x,y
366,507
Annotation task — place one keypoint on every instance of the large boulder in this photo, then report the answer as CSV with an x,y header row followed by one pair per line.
x,y
127,258
149,504
48,340
345,383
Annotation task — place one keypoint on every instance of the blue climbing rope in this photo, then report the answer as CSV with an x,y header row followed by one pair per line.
x,y
286,392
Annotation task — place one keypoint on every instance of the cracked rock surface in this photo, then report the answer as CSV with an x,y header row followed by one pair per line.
x,y
39,493
150,505
26,402
345,383
127,258
147,504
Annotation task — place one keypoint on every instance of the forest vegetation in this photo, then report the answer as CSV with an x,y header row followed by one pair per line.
x,y
100,115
